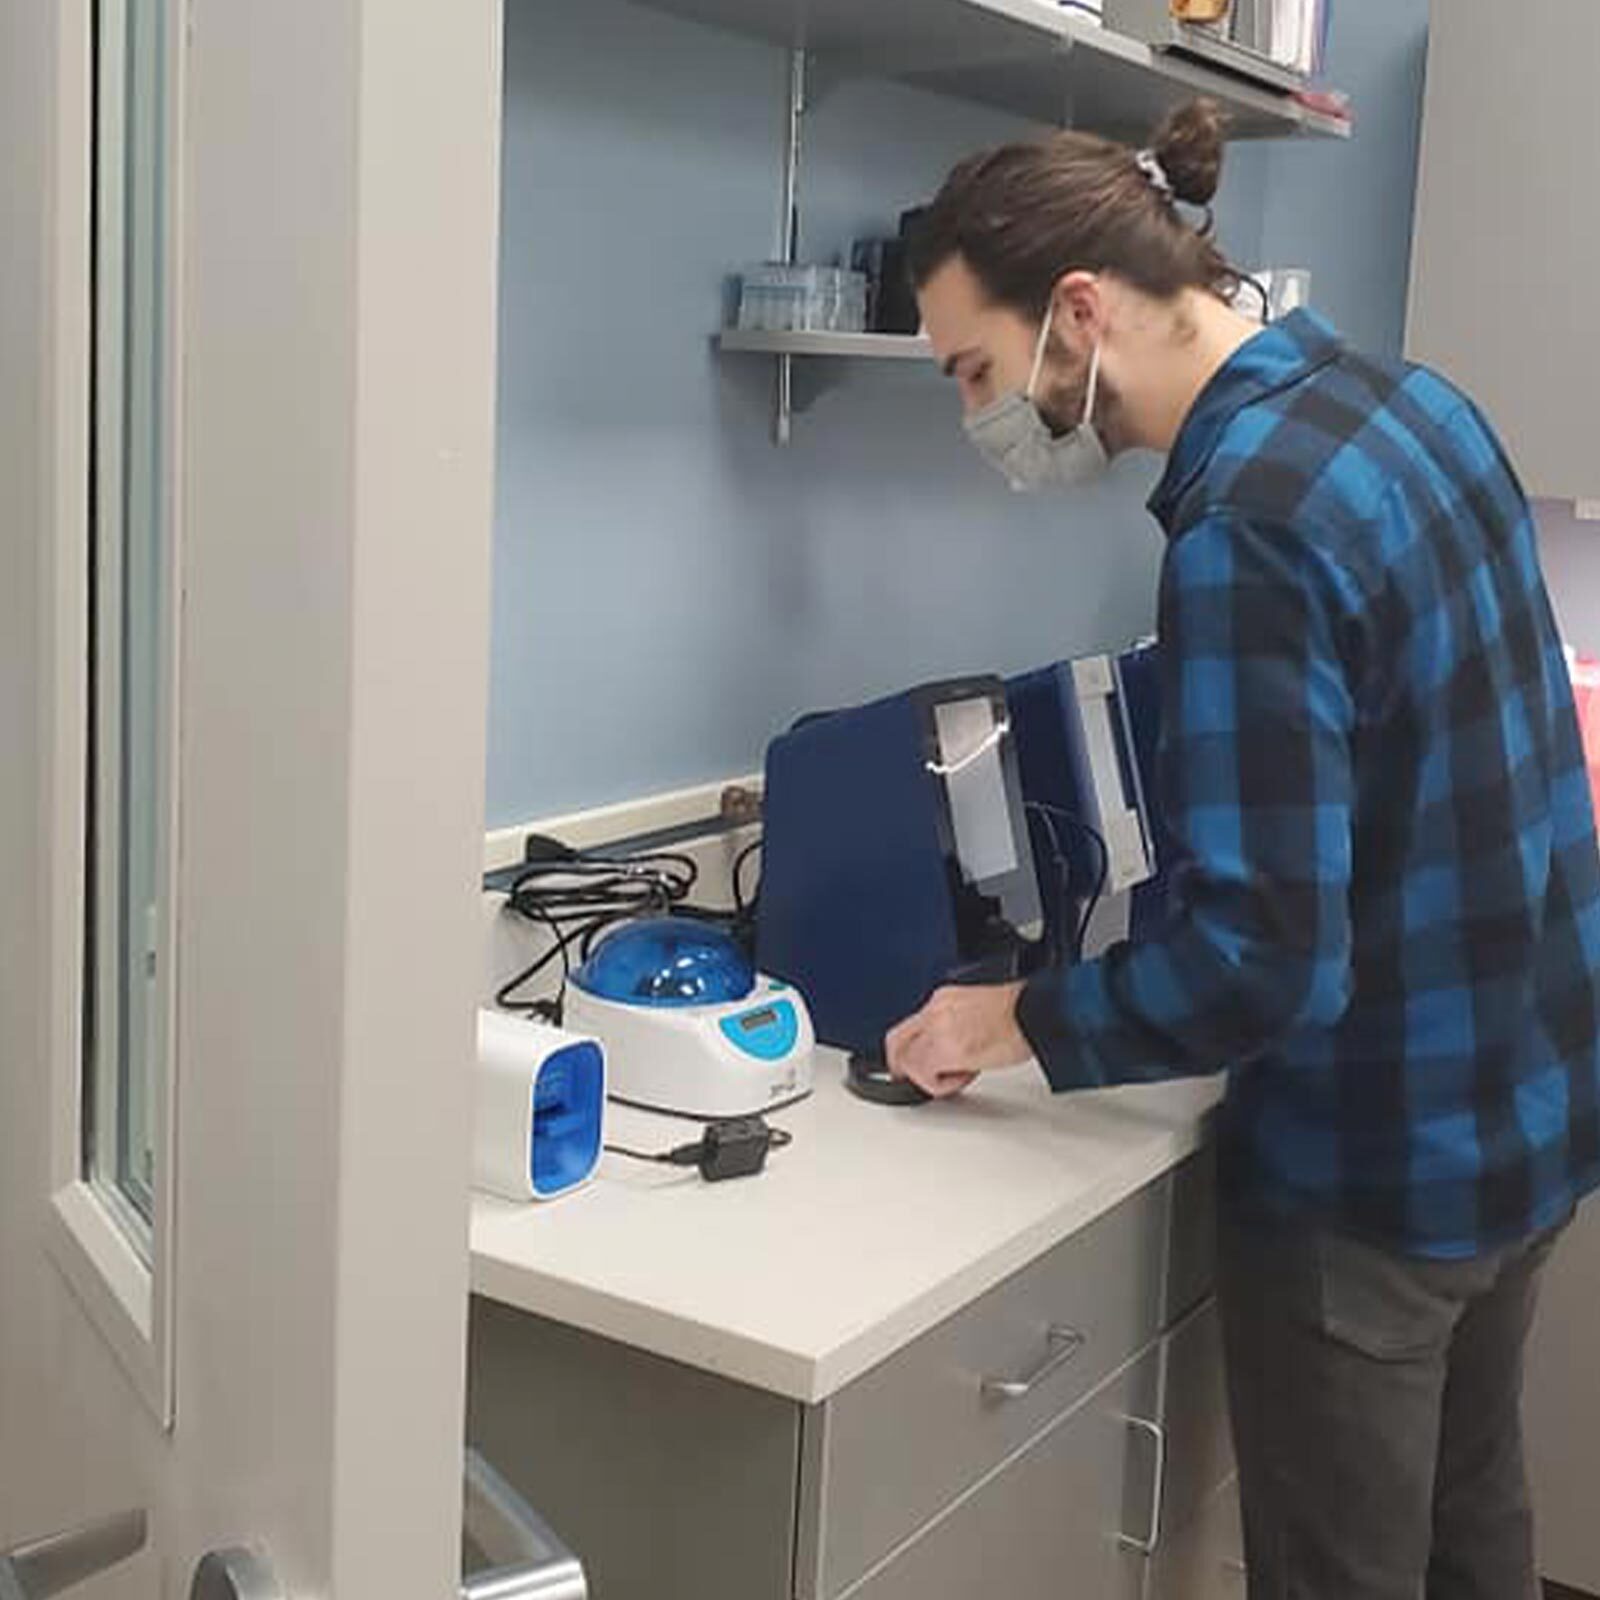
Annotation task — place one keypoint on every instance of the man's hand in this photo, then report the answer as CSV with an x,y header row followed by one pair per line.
x,y
960,1033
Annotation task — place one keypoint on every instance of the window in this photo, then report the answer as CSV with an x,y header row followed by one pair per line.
x,y
131,621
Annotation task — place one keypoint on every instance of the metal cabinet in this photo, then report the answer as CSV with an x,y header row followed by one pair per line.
x,y
904,1441
1130,1495
1204,1561
1507,246
1194,1417
1070,1423
1071,1514
675,1484
1198,1551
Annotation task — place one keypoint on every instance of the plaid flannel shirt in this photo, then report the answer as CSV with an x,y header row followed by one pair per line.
x,y
1385,910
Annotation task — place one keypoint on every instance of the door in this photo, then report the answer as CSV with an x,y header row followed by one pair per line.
x,y
247,261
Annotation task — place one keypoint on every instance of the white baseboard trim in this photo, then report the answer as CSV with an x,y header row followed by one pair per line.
x,y
583,830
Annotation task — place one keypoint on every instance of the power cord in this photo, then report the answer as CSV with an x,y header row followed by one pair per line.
x,y
742,906
1049,816
576,895
735,1148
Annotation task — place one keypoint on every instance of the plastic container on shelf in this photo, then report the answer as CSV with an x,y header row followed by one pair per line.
x,y
771,296
775,298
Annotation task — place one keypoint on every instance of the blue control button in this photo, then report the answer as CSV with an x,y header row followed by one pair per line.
x,y
767,1033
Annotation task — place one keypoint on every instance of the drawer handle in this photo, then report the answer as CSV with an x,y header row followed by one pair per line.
x,y
1064,1344
1158,1487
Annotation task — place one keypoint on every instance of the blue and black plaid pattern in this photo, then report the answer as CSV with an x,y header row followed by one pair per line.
x,y
1386,893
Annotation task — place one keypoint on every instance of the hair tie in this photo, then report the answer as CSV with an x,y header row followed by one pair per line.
x,y
1155,174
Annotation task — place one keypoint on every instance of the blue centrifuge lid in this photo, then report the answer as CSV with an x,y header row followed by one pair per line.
x,y
667,961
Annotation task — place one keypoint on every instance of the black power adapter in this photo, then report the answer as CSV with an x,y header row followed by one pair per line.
x,y
735,1148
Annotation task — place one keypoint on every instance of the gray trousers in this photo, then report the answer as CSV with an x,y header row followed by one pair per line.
x,y
1377,1408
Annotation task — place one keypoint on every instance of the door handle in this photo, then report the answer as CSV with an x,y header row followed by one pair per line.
x,y
46,1567
1158,1488
1064,1344
528,1561
235,1574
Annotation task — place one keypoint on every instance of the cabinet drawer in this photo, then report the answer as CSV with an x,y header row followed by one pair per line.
x,y
1050,1522
906,1439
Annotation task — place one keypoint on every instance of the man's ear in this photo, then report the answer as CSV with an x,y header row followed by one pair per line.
x,y
1079,302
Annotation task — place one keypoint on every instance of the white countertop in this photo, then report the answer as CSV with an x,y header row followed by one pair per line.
x,y
871,1228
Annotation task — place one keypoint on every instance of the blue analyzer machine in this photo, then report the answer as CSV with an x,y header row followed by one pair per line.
x,y
896,859
955,833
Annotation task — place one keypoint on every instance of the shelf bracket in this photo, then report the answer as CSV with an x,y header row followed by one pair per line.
x,y
1069,106
808,382
825,75
789,231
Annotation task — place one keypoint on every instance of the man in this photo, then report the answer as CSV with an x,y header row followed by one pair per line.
x,y
1386,920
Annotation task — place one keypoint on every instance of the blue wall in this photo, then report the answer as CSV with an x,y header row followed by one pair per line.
x,y
1344,209
669,588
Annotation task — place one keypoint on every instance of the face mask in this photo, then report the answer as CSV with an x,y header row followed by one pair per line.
x,y
1013,437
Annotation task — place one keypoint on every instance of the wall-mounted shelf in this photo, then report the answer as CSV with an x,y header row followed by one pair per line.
x,y
847,346
810,363
1029,57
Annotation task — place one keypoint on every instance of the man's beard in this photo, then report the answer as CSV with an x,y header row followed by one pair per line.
x,y
1061,405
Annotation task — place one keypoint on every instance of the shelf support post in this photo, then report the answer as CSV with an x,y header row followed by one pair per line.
x,y
789,228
